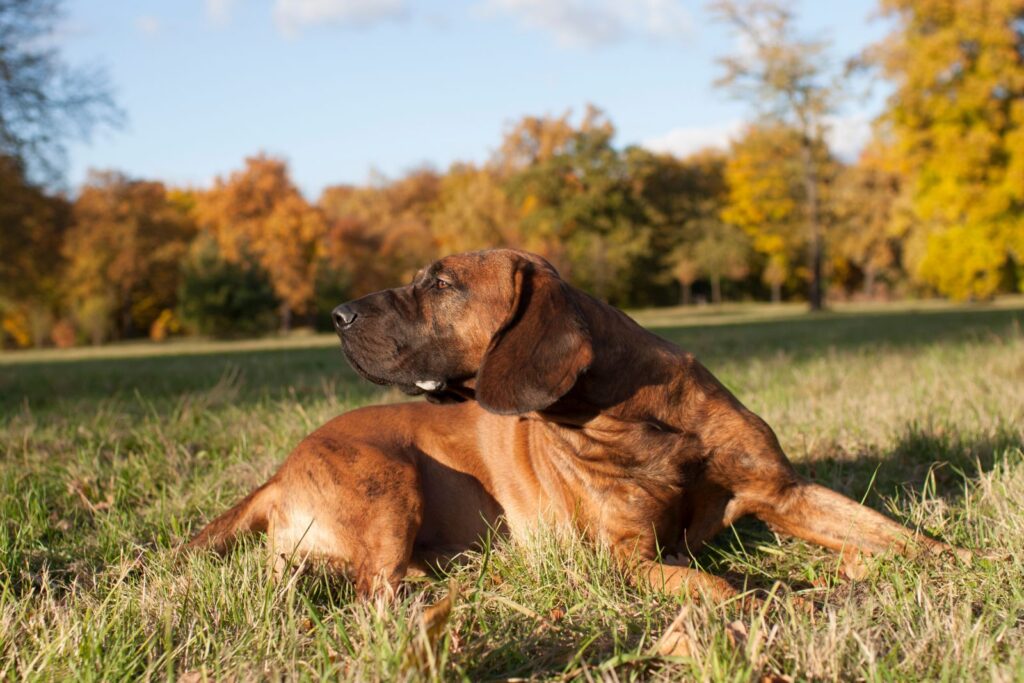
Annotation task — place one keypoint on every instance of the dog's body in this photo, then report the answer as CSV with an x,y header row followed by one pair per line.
x,y
553,407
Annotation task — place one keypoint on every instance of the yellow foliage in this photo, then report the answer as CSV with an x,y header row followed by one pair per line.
x,y
957,123
16,325
764,197
166,324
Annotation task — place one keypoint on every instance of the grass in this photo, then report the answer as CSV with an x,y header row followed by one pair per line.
x,y
109,458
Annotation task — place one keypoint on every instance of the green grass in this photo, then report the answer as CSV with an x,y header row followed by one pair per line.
x,y
110,457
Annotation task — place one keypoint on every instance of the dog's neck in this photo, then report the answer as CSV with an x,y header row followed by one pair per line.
x,y
632,367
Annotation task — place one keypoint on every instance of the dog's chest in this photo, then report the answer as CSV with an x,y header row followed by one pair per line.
x,y
618,483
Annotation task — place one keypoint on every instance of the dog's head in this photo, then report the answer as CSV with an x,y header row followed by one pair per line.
x,y
499,323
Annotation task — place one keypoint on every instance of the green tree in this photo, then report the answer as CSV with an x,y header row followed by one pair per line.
x,y
956,121
223,298
579,208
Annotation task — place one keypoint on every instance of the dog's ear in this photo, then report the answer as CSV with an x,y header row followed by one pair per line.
x,y
540,349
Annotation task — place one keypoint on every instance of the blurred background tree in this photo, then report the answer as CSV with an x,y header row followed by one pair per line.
x,y
124,252
788,80
956,126
258,217
43,100
933,205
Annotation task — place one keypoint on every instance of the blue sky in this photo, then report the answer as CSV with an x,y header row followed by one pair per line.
x,y
342,88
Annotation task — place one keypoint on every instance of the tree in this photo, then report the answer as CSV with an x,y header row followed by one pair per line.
x,y
473,211
676,195
381,234
124,250
43,101
722,252
956,122
763,174
787,79
33,226
868,231
579,208
221,298
258,215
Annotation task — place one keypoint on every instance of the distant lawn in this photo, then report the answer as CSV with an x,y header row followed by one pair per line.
x,y
110,457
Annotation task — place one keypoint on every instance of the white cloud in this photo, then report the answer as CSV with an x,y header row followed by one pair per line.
x,y
686,140
219,11
592,23
293,15
148,25
847,136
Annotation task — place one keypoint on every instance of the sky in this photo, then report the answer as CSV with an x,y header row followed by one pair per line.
x,y
345,89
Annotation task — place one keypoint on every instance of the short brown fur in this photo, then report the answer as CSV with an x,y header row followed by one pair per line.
x,y
545,404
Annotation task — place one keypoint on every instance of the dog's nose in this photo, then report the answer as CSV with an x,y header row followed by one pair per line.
x,y
343,316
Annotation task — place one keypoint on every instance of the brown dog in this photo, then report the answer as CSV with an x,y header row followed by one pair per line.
x,y
546,405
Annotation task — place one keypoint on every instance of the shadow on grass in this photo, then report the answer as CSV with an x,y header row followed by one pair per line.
x,y
936,464
805,335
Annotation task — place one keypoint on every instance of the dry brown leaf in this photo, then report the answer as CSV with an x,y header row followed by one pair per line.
x,y
422,653
854,567
776,678
677,640
737,634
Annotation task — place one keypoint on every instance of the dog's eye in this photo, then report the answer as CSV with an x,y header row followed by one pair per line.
x,y
442,284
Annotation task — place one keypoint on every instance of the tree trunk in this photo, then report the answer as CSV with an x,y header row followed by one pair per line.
x,y
869,282
716,289
776,292
286,317
687,293
816,297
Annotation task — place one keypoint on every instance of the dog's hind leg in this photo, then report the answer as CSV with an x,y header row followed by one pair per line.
x,y
359,517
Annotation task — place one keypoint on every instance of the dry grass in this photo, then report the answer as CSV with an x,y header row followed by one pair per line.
x,y
108,461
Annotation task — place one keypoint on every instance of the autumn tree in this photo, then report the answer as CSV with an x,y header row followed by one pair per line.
x,y
956,120
32,226
473,211
124,250
765,195
380,234
536,139
579,208
43,100
868,207
787,79
259,214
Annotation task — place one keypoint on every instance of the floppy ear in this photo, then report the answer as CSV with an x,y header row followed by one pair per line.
x,y
540,349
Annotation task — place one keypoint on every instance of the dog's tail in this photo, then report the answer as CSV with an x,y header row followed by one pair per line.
x,y
249,515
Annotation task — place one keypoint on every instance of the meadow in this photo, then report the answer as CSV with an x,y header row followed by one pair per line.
x,y
111,457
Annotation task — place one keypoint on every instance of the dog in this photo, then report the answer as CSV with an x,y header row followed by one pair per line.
x,y
544,405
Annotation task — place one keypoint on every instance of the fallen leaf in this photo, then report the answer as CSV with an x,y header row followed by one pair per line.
x,y
422,653
677,640
854,567
737,634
